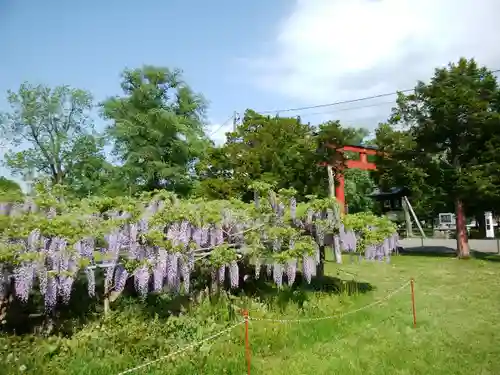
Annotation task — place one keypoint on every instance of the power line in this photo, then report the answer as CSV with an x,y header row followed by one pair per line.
x,y
234,117
222,125
349,109
344,101
335,103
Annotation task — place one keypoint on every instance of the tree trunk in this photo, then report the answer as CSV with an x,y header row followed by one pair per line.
x,y
462,241
106,299
336,250
320,268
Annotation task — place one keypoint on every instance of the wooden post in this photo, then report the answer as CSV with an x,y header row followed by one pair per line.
x,y
247,341
413,303
106,298
409,226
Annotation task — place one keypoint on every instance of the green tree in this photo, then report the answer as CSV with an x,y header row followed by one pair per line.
x,y
157,129
280,151
358,185
48,125
216,175
90,172
450,120
402,169
283,152
7,185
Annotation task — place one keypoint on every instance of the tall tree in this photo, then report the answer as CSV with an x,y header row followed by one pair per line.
x,y
46,124
157,128
216,177
282,151
277,150
402,169
89,171
450,120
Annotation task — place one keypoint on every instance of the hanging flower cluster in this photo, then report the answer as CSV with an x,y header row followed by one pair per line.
x,y
156,240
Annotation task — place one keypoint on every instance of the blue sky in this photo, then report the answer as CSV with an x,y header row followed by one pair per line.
x,y
260,54
87,44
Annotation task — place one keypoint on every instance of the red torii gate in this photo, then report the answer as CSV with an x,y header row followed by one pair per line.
x,y
361,163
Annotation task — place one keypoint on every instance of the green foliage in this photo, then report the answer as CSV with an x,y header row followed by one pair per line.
x,y
401,168
448,119
7,185
279,151
51,123
334,134
10,191
371,229
90,173
445,149
157,129
358,185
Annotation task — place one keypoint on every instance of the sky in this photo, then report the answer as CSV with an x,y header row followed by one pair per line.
x,y
260,54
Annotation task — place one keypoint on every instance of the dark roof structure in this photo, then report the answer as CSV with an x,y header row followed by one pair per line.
x,y
392,193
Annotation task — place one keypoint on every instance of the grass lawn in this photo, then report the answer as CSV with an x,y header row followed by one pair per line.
x,y
458,330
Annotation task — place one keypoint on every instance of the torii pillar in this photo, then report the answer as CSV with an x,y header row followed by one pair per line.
x,y
361,163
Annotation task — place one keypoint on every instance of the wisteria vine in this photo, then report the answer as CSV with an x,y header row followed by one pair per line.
x,y
157,239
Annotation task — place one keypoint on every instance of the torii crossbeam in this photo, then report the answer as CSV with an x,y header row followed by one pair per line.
x,y
361,163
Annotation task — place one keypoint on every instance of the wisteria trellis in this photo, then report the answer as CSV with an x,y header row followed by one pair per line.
x,y
169,236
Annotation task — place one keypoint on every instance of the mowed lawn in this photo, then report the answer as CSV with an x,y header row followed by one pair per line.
x,y
458,324
458,329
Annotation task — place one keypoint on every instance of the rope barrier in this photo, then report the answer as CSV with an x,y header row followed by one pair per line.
x,y
180,351
247,318
338,316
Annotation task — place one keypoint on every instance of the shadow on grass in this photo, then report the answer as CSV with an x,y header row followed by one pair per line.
x,y
300,291
448,252
82,309
262,289
432,251
491,257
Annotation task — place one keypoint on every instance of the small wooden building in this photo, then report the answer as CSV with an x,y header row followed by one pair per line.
x,y
390,202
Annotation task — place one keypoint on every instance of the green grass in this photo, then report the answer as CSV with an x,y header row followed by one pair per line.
x,y
458,330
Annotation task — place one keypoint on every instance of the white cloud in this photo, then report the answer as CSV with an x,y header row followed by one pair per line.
x,y
217,130
329,50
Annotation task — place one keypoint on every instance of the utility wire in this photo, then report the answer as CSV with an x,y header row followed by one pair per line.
x,y
349,108
344,101
226,122
232,117
222,125
335,103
